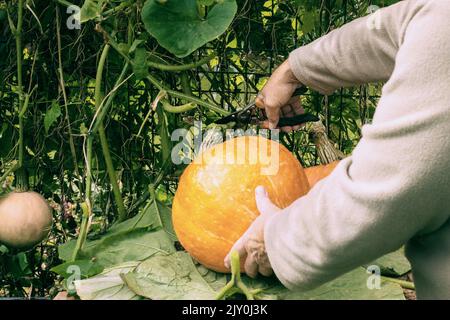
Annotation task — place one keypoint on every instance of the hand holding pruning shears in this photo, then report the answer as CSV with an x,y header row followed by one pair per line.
x,y
279,102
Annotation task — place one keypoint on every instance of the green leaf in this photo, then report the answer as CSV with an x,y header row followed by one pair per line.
x,y
121,247
3,249
351,286
108,285
146,219
178,26
215,280
140,67
393,264
172,277
18,265
52,115
91,9
308,21
143,223
166,142
166,221
88,268
134,45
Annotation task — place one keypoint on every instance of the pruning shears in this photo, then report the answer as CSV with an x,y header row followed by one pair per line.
x,y
251,115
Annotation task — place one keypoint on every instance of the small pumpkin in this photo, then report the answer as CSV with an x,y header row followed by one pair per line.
x,y
215,202
25,219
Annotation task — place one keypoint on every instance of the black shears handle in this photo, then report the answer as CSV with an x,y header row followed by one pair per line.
x,y
300,118
297,120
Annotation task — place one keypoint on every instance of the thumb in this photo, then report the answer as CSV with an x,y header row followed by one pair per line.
x,y
263,203
273,114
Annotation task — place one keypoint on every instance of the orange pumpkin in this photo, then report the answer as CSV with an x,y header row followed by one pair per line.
x,y
317,173
215,202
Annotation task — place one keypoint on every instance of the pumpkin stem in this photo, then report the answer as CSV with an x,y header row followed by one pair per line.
x,y
326,150
235,285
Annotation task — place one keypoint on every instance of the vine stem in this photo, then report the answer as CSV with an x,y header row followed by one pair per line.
x,y
22,181
104,107
177,109
63,90
186,97
86,209
236,283
326,151
86,206
403,283
181,67
103,140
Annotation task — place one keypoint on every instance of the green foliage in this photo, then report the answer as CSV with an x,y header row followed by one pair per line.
x,y
181,28
176,277
172,277
351,286
394,264
108,285
88,268
52,115
132,240
91,9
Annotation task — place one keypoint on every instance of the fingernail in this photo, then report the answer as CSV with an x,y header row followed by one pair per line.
x,y
226,262
260,191
272,126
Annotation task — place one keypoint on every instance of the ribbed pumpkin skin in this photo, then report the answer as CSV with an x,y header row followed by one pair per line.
x,y
317,173
215,202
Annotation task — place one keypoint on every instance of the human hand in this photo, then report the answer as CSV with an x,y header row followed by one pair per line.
x,y
276,97
251,245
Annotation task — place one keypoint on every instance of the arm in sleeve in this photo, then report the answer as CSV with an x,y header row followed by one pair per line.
x,y
361,51
396,184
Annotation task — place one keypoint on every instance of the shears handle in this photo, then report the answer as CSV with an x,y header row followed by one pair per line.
x,y
297,120
300,91
300,118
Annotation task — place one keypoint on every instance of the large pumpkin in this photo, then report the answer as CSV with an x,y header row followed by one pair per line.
x,y
317,173
215,202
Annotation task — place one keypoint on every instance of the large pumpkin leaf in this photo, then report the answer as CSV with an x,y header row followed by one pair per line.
x,y
351,286
108,285
178,26
393,264
137,245
125,241
173,277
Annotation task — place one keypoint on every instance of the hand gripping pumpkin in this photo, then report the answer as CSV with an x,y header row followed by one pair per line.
x,y
215,202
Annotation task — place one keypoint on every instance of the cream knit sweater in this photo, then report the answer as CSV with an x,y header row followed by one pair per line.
x,y
395,188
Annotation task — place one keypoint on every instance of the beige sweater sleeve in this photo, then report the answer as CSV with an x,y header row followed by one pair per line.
x,y
396,185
